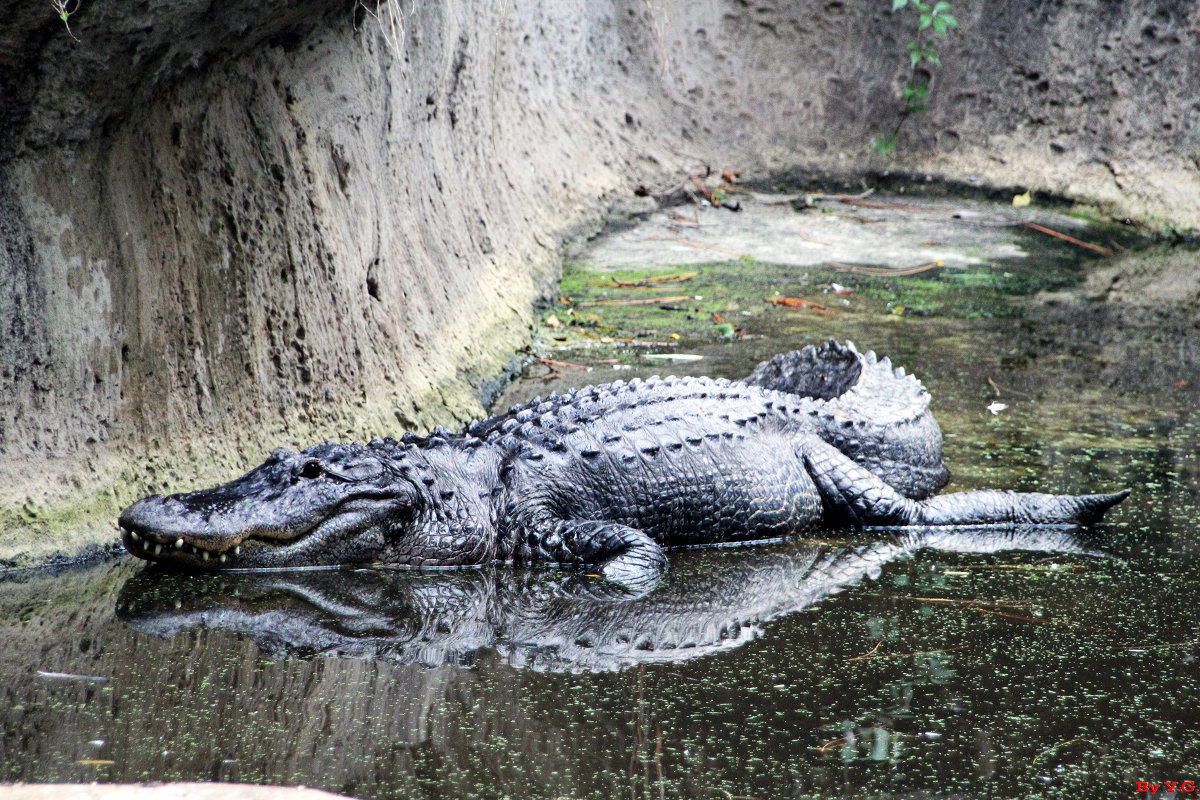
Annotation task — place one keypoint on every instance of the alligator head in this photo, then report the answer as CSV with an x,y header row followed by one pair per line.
x,y
330,504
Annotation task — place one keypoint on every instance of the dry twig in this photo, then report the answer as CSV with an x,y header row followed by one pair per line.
x,y
643,302
1104,251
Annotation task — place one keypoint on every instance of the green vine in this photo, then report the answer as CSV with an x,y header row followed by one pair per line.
x,y
64,9
932,20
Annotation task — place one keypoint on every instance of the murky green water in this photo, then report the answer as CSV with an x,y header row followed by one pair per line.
x,y
876,668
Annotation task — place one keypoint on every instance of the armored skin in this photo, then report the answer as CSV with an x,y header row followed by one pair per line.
x,y
606,476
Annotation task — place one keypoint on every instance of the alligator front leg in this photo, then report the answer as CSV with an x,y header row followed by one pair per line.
x,y
613,551
854,496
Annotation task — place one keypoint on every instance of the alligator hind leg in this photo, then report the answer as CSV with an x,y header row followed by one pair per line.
x,y
613,551
854,496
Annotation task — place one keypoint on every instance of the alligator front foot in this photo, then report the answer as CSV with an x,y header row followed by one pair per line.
x,y
853,496
609,550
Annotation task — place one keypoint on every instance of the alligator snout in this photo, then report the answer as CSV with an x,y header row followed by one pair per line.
x,y
158,528
151,515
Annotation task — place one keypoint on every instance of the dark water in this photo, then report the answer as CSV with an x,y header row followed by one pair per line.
x,y
879,667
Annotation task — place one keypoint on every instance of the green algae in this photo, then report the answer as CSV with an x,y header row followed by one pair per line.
x,y
602,312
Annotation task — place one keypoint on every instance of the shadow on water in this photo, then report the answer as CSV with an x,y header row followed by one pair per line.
x,y
980,664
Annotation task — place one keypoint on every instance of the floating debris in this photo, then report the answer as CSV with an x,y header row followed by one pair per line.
x,y
674,356
648,282
797,302
640,302
70,676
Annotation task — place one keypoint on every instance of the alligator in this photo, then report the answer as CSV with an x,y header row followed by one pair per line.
x,y
607,477
707,604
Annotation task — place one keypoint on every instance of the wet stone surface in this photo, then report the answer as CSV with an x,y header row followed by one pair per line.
x,y
870,667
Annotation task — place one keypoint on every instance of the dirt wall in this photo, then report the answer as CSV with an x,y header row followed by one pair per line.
x,y
230,226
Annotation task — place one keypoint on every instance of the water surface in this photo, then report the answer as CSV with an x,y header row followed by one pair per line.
x,y
872,667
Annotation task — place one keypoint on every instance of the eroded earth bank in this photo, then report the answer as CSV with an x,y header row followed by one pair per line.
x,y
230,226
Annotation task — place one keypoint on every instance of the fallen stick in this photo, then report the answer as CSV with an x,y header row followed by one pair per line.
x,y
816,198
1104,251
1039,620
550,362
647,283
861,201
643,302
703,189
884,272
1000,389
890,206
698,246
796,302
859,218
638,286
811,240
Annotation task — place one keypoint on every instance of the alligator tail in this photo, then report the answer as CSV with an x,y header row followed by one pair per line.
x,y
1026,508
854,496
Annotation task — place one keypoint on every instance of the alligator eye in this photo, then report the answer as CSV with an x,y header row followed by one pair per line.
x,y
311,469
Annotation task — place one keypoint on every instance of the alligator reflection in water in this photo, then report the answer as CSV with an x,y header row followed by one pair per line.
x,y
539,619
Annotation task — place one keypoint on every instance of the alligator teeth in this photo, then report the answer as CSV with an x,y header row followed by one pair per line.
x,y
178,543
158,549
222,558
134,535
204,555
237,549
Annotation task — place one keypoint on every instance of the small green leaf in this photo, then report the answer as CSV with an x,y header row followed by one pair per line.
x,y
926,21
898,4
63,16
939,25
951,22
933,58
941,8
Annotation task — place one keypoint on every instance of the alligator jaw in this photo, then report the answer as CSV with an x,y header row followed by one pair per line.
x,y
149,530
179,551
